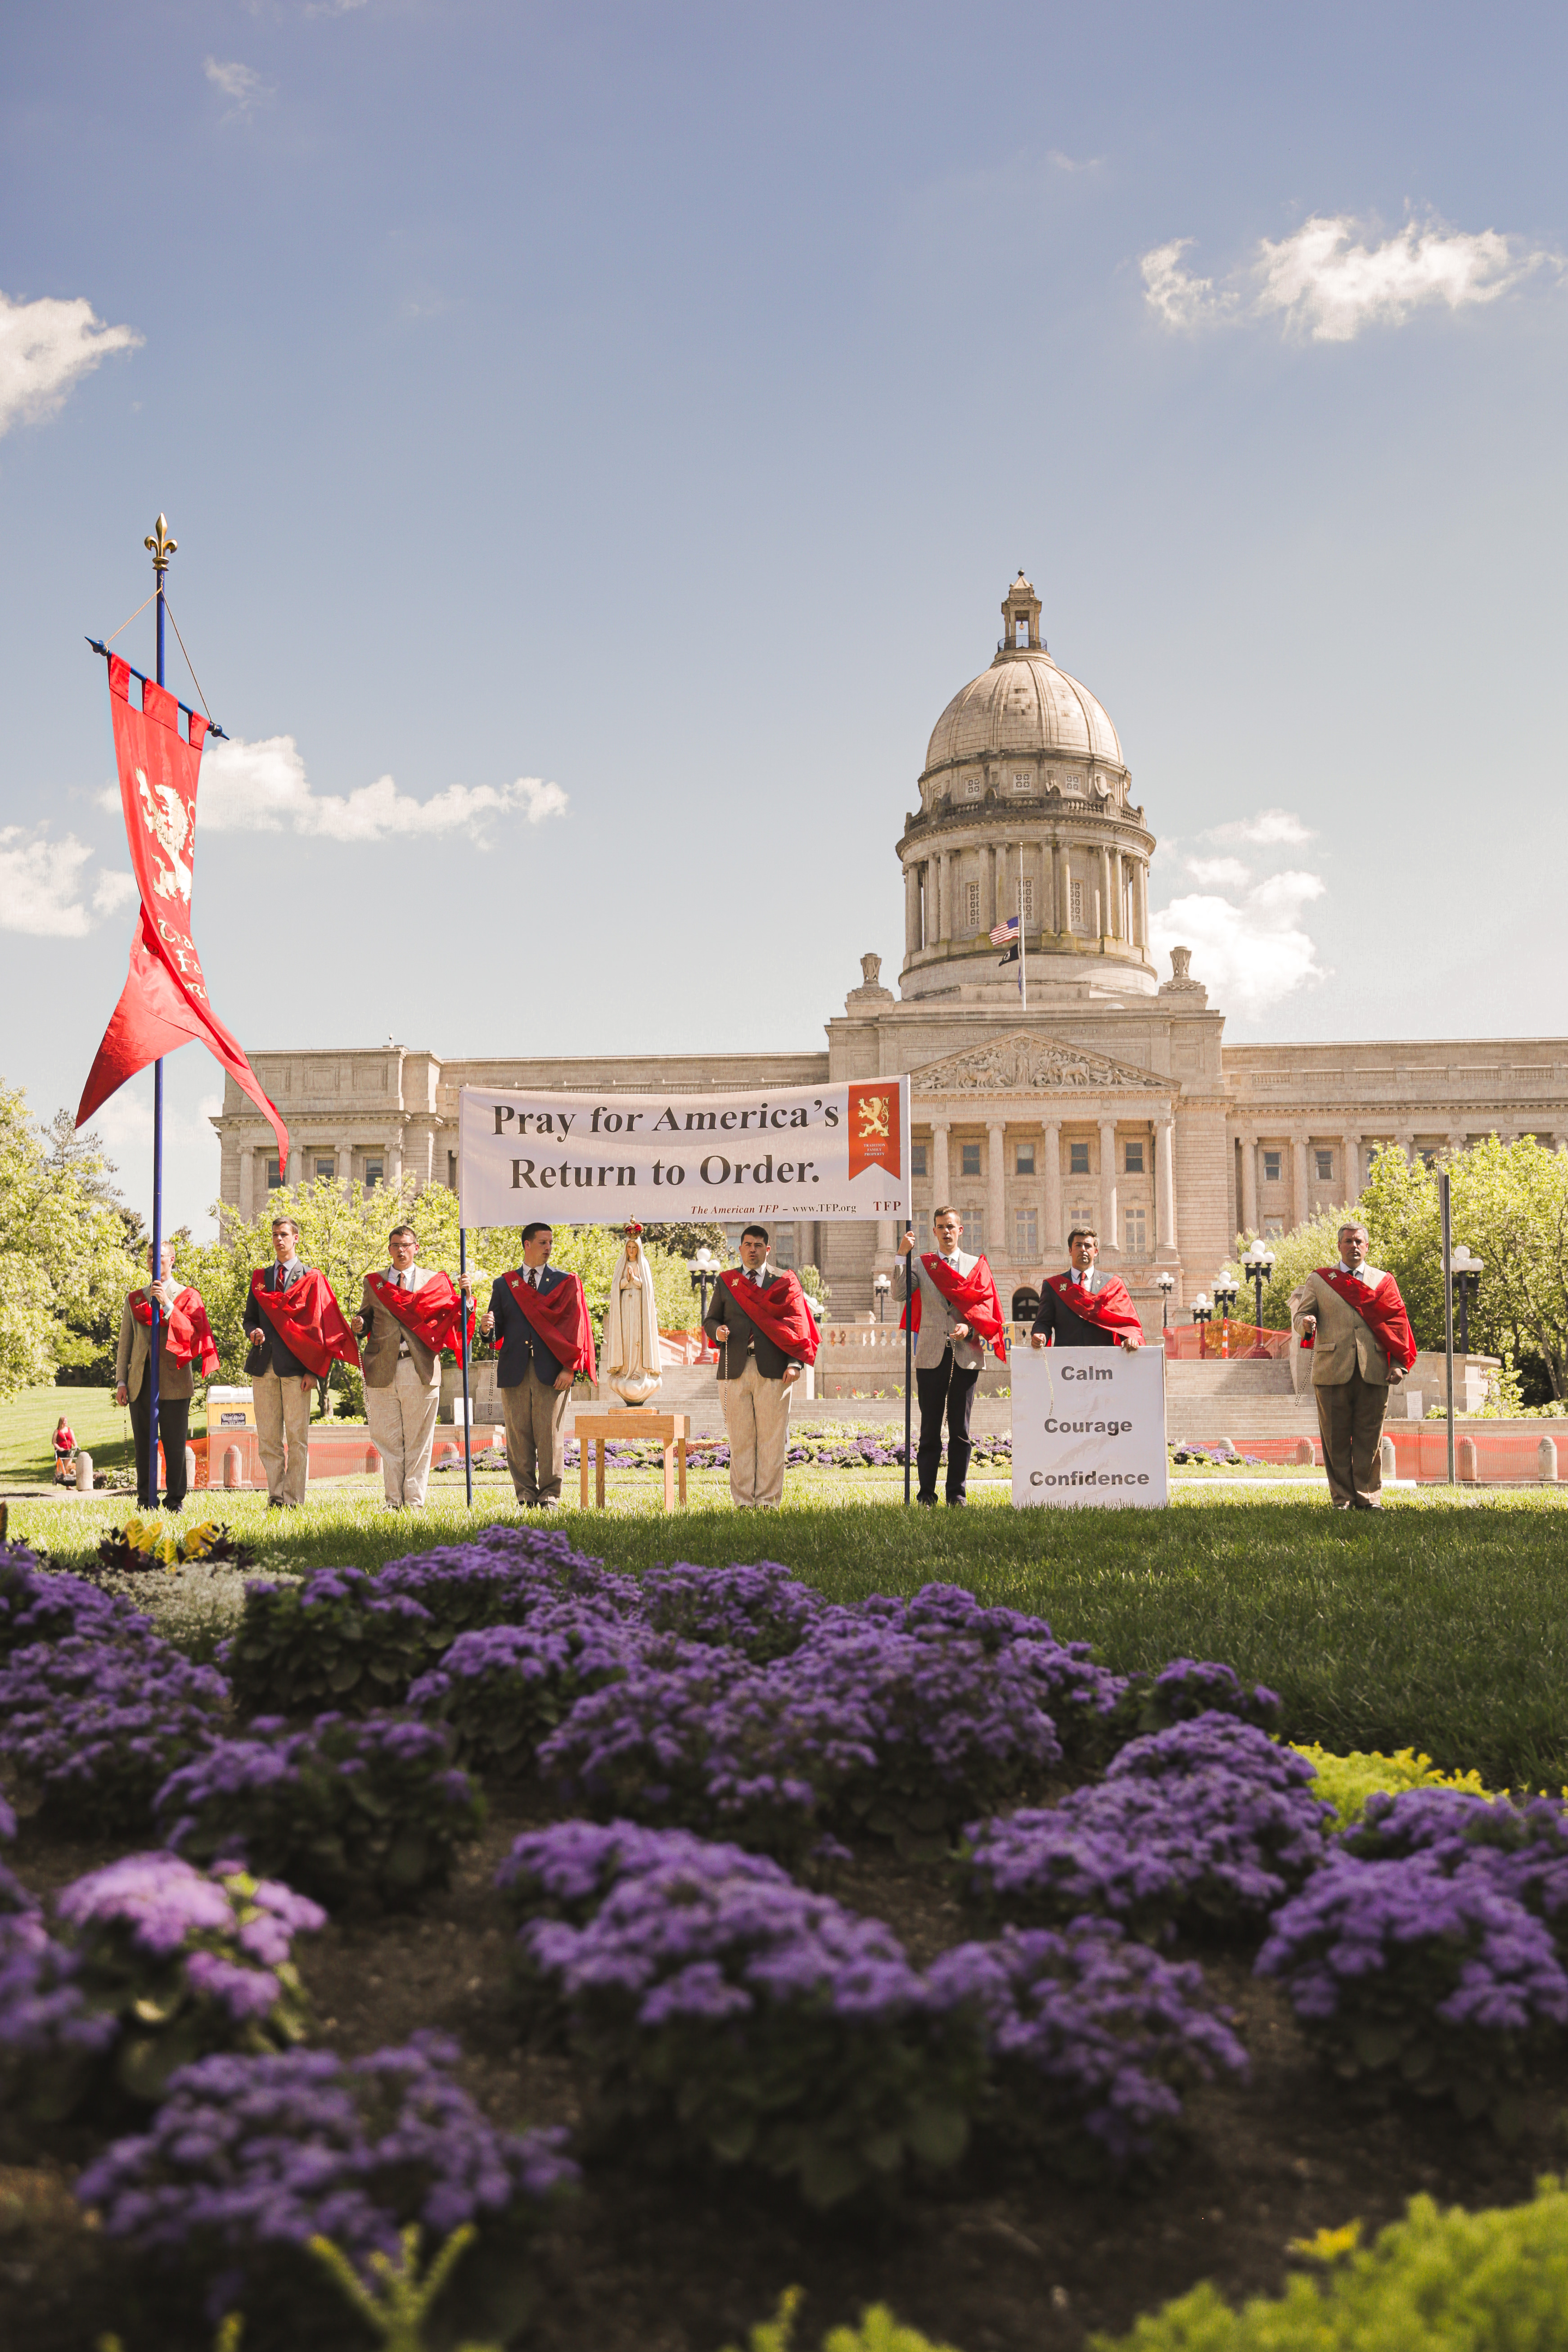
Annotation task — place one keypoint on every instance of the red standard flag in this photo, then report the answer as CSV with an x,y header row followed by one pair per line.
x,y
165,1000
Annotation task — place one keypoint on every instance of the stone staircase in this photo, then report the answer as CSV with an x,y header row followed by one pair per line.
x,y
1241,1402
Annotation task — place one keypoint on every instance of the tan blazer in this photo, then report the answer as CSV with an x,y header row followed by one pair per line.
x,y
937,1318
135,1353
1343,1344
385,1337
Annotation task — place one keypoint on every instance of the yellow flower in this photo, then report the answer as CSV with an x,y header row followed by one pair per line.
x,y
1329,2245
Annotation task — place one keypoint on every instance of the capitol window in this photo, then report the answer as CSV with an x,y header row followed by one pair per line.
x,y
972,901
1325,1166
1075,904
274,1174
1271,1160
374,1171
1078,1159
917,1160
1135,1160
969,1160
1020,783
1134,1231
971,787
1026,1234
1025,1163
326,1166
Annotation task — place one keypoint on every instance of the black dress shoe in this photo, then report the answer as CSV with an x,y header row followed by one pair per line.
x,y
957,1502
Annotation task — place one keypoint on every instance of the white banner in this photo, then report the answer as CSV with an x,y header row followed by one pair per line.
x,y
1088,1426
806,1153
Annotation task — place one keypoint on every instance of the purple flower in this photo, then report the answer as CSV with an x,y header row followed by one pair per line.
x,y
503,1687
247,2158
565,1871
1522,1846
760,1611
97,1724
1092,2037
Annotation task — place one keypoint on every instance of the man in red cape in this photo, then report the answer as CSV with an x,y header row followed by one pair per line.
x,y
408,1315
765,1330
1352,1318
540,1318
297,1332
957,1315
186,1339
1084,1307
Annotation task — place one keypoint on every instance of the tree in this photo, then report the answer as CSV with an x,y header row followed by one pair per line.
x,y
684,1241
64,1266
1508,1206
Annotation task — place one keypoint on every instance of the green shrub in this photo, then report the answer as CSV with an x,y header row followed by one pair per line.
x,y
1347,1781
878,2332
1454,2282
331,1640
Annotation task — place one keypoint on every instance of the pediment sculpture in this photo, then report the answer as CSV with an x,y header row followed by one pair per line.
x,y
1025,1064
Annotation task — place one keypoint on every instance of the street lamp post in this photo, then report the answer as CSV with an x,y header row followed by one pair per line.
x,y
704,1270
1202,1313
1165,1283
1225,1297
1257,1266
1467,1272
882,1285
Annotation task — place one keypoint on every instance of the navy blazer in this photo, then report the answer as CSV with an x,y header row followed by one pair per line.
x,y
1072,1330
519,1343
272,1356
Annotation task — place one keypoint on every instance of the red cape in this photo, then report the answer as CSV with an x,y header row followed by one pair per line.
x,y
561,1319
432,1314
780,1312
1110,1306
309,1321
1382,1310
189,1333
974,1296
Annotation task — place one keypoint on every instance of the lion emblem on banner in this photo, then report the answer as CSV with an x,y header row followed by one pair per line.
x,y
171,827
874,1113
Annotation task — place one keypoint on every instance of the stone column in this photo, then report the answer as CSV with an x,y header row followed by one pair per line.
x,y
939,1175
911,908
1115,926
989,880
1351,1172
1051,1145
1300,1197
1058,910
394,1158
246,1180
1110,1230
1140,901
997,1238
1165,1180
295,1172
345,1162
946,892
1105,916
1249,1180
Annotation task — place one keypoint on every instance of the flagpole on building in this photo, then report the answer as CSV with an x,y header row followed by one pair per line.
x,y
1023,945
463,1326
160,547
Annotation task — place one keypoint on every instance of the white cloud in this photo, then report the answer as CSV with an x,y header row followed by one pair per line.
x,y
1333,275
1179,299
1220,872
1249,951
41,885
240,84
44,347
1054,155
1269,828
263,788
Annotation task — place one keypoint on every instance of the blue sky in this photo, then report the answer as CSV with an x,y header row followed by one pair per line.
x,y
617,428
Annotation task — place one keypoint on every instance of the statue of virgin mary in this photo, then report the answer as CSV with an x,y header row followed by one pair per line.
x,y
630,1359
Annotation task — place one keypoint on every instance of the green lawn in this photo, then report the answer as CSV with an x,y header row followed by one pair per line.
x,y
1440,1624
27,1428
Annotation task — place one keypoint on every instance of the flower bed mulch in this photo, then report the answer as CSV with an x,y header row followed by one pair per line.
x,y
1000,2258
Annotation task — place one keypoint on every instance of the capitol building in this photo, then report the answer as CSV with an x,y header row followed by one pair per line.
x,y
1108,1098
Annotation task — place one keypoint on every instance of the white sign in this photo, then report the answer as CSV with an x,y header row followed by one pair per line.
x,y
1088,1426
821,1152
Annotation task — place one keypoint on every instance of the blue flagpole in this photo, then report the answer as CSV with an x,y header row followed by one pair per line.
x,y
468,1409
162,547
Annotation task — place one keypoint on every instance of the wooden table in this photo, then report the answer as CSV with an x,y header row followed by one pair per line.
x,y
670,1430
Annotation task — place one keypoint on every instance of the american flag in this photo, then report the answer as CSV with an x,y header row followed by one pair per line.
x,y
1005,935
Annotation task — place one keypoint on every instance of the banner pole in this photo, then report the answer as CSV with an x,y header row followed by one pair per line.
x,y
162,547
908,1349
1445,1199
463,1326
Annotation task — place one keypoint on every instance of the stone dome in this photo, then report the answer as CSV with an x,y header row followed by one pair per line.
x,y
1023,704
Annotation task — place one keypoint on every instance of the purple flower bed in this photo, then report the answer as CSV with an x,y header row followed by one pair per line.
x,y
1189,1687
248,2159
501,1577
1420,1975
152,1964
13,1895
97,1726
1206,1826
1093,2039
506,1687
330,1639
724,2013
1523,1847
566,1871
1081,1697
370,1809
761,1611
39,1605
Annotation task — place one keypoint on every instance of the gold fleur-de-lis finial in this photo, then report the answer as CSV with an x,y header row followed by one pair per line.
x,y
160,545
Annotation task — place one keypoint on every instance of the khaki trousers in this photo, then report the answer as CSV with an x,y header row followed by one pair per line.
x,y
283,1410
756,1419
402,1420
535,1417
1350,1421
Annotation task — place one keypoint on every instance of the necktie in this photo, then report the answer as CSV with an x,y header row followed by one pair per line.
x,y
757,1275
